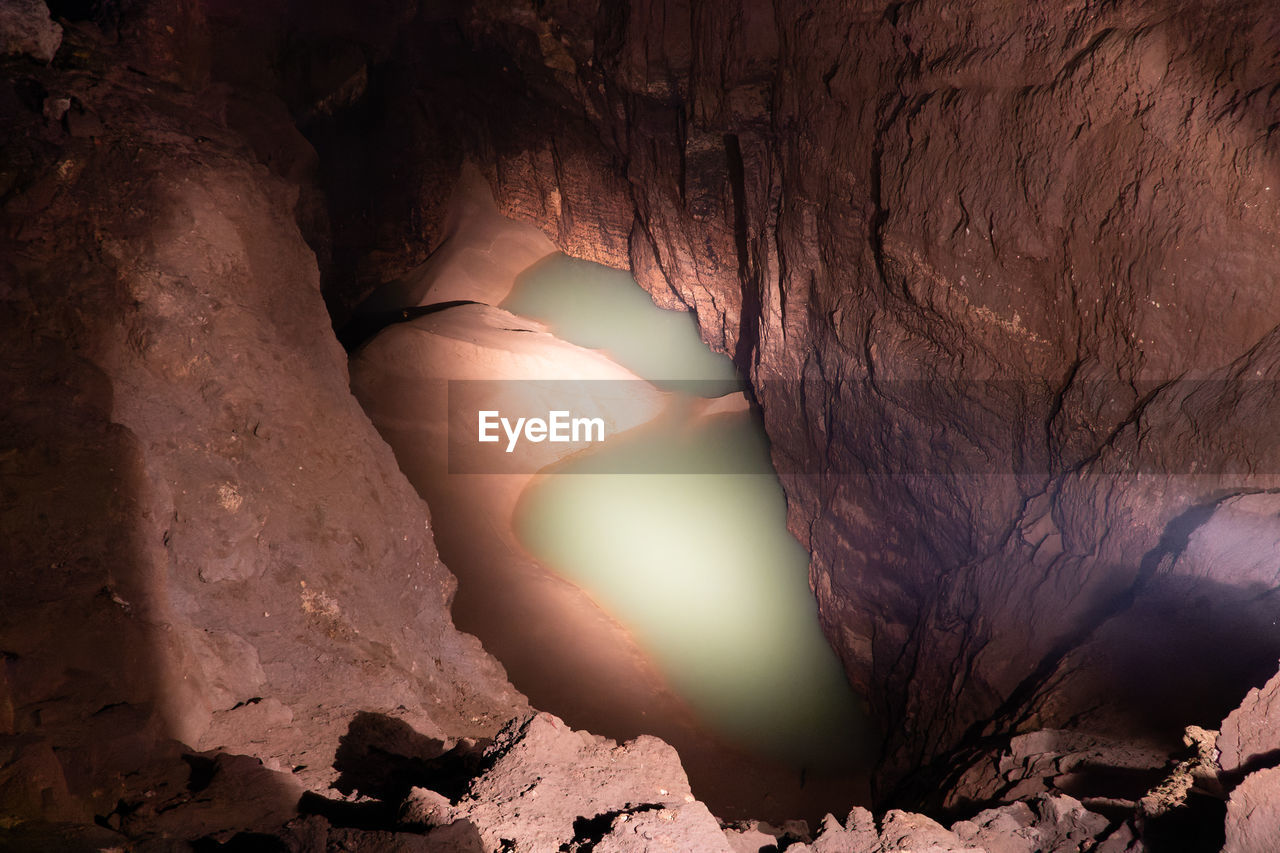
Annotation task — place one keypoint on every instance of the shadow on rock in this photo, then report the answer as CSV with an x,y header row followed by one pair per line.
x,y
380,760
383,757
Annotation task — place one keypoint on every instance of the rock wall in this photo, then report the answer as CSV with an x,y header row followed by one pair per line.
x,y
1002,279
205,539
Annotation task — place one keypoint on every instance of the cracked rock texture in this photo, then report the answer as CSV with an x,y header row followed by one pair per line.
x,y
1249,747
551,786
1003,279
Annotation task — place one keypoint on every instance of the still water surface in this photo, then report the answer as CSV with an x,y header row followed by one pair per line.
x,y
601,308
696,563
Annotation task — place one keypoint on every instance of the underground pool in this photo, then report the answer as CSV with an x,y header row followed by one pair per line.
x,y
678,529
642,584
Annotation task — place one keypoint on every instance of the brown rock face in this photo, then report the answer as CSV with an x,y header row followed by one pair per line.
x,y
25,27
1249,752
1250,736
205,539
550,786
1002,279
1253,813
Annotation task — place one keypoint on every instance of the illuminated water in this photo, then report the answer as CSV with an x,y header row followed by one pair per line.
x,y
594,306
699,566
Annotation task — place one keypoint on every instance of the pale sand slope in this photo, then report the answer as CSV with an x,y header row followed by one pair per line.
x,y
478,261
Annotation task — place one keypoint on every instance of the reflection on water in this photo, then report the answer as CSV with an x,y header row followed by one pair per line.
x,y
593,306
699,566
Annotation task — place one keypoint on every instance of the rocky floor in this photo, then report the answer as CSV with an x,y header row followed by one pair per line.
x,y
540,786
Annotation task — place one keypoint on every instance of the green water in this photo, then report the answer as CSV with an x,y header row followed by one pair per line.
x,y
593,306
699,566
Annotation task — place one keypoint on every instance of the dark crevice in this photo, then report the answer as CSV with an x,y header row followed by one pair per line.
x,y
590,831
1198,826
993,730
367,815
880,211
1259,761
362,327
241,842
203,769
749,316
383,757
82,10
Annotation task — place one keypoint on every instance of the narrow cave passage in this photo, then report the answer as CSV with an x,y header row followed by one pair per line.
x,y
643,584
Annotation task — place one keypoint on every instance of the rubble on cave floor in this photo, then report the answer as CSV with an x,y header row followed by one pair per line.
x,y
543,787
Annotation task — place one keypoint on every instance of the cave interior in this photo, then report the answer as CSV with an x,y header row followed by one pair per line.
x,y
982,300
